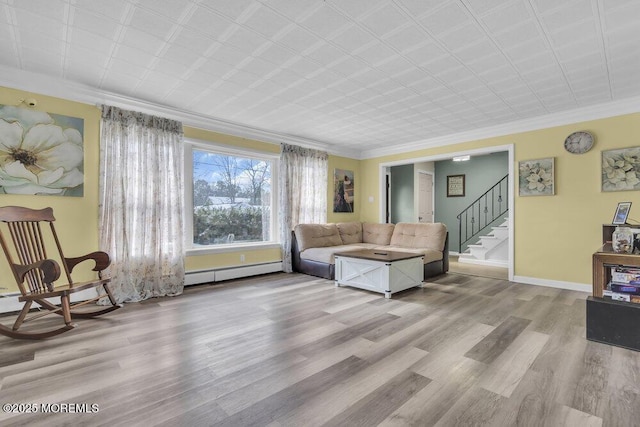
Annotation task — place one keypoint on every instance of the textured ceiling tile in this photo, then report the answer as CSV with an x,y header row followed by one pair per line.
x,y
244,40
356,8
360,73
488,63
119,66
232,9
515,36
266,22
95,23
419,7
384,20
406,38
623,16
113,9
208,22
557,19
513,14
169,8
29,21
298,39
325,21
192,40
353,38
325,54
462,37
152,23
445,18
376,53
425,53
37,40
143,41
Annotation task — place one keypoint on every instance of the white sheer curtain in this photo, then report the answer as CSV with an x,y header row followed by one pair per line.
x,y
141,208
302,192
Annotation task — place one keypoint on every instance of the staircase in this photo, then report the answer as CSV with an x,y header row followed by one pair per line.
x,y
491,249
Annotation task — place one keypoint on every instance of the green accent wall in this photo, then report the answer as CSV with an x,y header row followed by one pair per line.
x,y
402,194
481,173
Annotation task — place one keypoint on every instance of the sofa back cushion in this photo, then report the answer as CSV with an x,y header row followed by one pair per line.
x,y
350,232
419,235
379,234
316,236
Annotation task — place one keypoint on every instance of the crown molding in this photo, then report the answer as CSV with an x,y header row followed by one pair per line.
x,y
600,111
51,86
59,88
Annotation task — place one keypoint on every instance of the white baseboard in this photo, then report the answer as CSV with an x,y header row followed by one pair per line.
x,y
228,273
487,262
571,286
10,303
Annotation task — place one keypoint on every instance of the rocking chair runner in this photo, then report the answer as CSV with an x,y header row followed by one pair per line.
x,y
35,273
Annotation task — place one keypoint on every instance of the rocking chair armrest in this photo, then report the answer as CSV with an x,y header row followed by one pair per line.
x,y
101,259
49,267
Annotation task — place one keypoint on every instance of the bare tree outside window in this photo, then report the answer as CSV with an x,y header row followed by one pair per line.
x,y
231,198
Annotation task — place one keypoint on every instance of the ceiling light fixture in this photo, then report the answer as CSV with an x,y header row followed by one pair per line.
x,y
461,158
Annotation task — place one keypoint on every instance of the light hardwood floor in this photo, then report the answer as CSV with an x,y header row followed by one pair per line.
x,y
293,350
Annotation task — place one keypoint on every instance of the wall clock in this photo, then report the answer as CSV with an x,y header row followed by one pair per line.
x,y
579,142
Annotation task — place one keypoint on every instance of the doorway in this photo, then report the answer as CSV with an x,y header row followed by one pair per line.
x,y
384,207
425,196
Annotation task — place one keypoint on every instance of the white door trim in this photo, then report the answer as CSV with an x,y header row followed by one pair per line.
x,y
446,156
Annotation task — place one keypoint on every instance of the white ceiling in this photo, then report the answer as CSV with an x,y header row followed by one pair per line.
x,y
355,74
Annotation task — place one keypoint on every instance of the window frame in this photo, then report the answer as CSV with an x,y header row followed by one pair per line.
x,y
191,144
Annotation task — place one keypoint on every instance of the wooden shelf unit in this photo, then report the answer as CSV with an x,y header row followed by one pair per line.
x,y
603,260
608,321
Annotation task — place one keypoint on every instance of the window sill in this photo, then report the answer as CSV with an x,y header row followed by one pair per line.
x,y
238,247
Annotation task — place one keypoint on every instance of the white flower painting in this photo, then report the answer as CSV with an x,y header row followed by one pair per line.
x,y
40,153
621,169
536,177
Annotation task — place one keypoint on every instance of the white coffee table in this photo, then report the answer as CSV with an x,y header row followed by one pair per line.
x,y
381,271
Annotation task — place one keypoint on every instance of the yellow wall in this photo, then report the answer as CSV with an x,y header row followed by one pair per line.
x,y
77,217
555,236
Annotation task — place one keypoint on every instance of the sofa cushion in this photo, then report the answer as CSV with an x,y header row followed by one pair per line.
x,y
317,236
350,232
419,235
378,234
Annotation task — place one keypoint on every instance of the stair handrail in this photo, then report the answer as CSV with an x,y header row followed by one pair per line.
x,y
502,183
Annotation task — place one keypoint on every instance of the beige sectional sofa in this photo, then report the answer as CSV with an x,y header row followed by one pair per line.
x,y
315,245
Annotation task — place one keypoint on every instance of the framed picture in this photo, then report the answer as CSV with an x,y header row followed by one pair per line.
x,y
455,185
536,177
42,153
343,194
621,169
622,212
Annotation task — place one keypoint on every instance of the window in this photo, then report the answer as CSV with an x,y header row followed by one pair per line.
x,y
231,196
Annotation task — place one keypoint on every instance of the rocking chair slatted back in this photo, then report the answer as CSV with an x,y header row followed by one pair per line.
x,y
28,241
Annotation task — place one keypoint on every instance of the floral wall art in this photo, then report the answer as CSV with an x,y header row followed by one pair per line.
x,y
536,177
40,153
621,169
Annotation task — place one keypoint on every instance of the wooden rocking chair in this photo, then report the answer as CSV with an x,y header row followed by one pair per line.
x,y
35,273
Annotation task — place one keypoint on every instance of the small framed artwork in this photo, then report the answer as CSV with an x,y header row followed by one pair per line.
x,y
536,177
343,193
455,185
621,169
622,212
